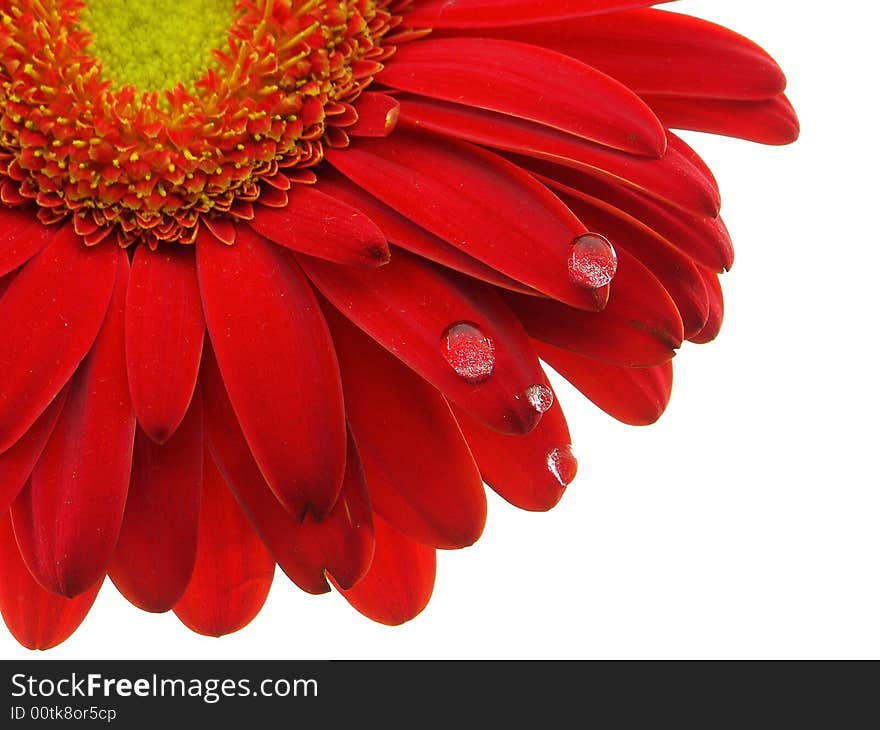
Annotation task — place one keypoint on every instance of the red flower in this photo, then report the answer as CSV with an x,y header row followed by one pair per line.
x,y
382,213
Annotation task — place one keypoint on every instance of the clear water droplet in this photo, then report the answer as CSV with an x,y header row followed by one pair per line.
x,y
562,464
593,261
469,352
540,397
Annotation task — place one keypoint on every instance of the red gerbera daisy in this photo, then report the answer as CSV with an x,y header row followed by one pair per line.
x,y
276,275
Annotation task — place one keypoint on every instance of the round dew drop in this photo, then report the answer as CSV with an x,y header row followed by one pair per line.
x,y
592,263
540,397
562,464
469,352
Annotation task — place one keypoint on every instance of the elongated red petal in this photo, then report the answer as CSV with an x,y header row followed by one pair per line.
x,y
342,543
530,471
685,164
670,178
36,618
716,310
399,583
22,237
427,488
705,240
489,13
479,202
233,570
67,519
17,463
164,332
516,78
635,396
279,530
279,367
403,232
321,225
678,274
410,306
377,115
156,551
654,51
51,314
679,147
768,121
640,326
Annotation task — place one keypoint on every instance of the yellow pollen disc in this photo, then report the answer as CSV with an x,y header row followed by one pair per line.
x,y
156,44
141,119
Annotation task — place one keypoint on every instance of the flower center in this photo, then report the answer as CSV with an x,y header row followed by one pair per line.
x,y
142,119
156,44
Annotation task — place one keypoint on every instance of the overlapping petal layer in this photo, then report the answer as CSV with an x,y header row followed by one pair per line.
x,y
67,519
389,232
279,367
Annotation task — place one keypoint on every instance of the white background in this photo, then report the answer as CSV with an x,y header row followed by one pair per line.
x,y
744,524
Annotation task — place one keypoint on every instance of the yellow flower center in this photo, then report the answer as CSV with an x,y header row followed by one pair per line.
x,y
156,44
142,119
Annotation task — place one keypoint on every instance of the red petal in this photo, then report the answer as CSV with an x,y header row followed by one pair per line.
x,y
675,271
22,237
639,327
156,552
653,51
279,367
279,530
716,310
67,519
661,188
635,396
406,234
342,543
410,305
531,471
487,13
6,280
400,580
233,571
706,240
164,332
17,463
320,225
51,314
768,121
671,177
420,473
476,201
222,229
36,618
518,79
377,115
679,147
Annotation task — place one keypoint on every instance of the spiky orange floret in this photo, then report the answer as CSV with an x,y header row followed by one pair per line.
x,y
152,165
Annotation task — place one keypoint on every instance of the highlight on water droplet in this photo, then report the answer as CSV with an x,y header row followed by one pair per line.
x,y
540,397
469,352
592,263
562,464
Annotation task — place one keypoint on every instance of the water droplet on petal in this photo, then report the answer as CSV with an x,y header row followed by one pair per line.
x,y
593,261
470,352
540,397
562,464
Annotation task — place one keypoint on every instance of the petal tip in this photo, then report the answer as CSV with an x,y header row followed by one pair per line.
x,y
378,255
